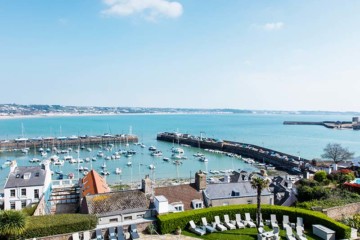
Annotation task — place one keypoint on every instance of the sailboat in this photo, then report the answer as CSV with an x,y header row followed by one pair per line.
x,y
118,170
24,150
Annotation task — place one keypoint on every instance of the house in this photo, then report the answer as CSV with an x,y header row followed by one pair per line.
x,y
117,207
222,194
185,196
282,189
25,186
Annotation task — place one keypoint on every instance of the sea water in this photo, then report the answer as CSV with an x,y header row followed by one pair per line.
x,y
265,130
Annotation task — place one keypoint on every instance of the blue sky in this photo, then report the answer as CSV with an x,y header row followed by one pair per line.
x,y
275,55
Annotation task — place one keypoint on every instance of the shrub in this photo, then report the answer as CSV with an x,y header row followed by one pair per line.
x,y
151,229
41,226
169,222
320,176
353,221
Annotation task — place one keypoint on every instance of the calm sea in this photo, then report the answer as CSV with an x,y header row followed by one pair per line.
x,y
263,130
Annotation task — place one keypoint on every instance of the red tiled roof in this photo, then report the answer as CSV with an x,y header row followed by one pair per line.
x,y
93,183
181,193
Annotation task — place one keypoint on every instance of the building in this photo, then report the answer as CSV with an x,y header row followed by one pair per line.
x,y
222,194
117,207
183,197
25,186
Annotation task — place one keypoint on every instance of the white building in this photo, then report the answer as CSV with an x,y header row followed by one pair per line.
x,y
26,185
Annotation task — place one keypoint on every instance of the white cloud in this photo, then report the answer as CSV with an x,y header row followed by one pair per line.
x,y
150,9
273,26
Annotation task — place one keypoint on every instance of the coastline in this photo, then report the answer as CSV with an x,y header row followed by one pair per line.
x,y
54,115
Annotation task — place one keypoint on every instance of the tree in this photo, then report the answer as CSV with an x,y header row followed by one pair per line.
x,y
12,223
259,184
336,152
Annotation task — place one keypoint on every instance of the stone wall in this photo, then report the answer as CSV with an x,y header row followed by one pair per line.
x,y
40,209
340,212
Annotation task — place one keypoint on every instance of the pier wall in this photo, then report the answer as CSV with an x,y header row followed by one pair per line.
x,y
264,155
13,145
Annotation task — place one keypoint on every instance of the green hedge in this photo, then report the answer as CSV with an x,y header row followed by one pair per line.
x,y
41,226
169,222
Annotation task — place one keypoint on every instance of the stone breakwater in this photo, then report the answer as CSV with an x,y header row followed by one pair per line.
x,y
282,161
61,142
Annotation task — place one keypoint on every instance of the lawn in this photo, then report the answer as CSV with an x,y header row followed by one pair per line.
x,y
244,234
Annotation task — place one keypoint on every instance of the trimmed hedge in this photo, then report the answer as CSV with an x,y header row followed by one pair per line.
x,y
169,222
48,225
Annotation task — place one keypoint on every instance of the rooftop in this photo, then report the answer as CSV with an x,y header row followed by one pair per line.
x,y
116,202
184,193
26,177
232,190
93,183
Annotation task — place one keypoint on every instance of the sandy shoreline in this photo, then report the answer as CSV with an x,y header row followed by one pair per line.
x,y
49,115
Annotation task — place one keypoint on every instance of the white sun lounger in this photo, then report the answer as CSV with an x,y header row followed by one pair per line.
x,y
299,222
219,226
196,229
285,222
75,236
248,221
86,235
289,234
239,222
300,233
273,221
208,227
227,222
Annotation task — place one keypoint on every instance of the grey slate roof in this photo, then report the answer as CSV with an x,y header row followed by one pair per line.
x,y
108,204
16,178
225,190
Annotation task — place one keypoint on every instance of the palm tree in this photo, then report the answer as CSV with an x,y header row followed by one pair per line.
x,y
12,223
259,184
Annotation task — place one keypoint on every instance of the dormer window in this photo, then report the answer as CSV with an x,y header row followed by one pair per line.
x,y
37,174
27,175
235,193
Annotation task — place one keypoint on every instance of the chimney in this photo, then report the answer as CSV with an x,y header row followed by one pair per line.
x,y
200,180
13,166
146,185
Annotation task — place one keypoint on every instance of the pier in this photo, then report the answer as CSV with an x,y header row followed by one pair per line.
x,y
278,159
61,142
355,124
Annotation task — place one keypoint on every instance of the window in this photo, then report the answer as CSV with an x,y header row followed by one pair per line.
x,y
12,193
128,218
23,204
23,192
12,205
113,220
198,205
179,208
139,216
249,201
36,193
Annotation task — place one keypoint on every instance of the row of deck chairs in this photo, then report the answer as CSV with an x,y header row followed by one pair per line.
x,y
217,225
112,234
287,226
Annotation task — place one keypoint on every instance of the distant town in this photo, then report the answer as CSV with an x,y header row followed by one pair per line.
x,y
36,109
